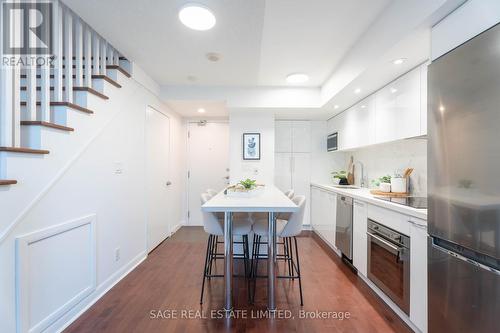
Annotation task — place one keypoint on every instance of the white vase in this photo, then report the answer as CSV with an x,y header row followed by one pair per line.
x,y
385,187
398,185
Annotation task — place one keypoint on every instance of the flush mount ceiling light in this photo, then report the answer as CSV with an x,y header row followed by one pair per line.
x,y
398,61
336,107
296,78
201,110
363,106
357,90
213,57
394,90
197,17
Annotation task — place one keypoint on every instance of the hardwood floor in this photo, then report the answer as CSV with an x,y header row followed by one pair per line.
x,y
170,278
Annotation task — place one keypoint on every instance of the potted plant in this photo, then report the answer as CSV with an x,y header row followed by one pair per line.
x,y
248,184
383,183
340,177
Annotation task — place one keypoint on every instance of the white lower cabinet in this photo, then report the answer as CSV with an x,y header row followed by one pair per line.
x,y
323,214
418,273
359,240
323,221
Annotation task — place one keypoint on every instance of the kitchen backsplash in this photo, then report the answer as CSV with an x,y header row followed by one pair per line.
x,y
385,159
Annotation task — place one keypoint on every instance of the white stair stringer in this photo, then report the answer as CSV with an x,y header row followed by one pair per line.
x,y
36,174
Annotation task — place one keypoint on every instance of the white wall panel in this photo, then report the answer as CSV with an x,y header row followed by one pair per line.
x,y
56,269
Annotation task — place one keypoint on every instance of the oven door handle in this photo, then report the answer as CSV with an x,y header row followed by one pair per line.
x,y
386,243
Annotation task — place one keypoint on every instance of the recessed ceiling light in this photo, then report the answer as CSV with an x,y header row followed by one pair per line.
x,y
363,106
442,108
394,90
357,90
197,17
201,110
398,61
336,107
297,78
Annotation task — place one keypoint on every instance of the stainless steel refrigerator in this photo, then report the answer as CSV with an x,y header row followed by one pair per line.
x,y
464,187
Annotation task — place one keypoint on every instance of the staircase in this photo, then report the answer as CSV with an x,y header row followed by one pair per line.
x,y
39,102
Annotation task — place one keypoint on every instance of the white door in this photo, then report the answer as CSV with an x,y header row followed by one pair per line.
x,y
208,163
157,188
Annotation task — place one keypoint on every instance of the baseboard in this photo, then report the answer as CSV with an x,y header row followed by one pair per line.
x,y
73,314
176,228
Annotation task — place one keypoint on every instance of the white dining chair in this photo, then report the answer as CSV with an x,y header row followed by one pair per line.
x,y
213,225
288,230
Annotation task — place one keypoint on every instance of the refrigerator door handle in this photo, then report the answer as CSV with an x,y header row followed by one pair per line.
x,y
467,260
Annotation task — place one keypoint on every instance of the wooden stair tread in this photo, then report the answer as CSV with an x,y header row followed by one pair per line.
x,y
4,182
46,124
68,104
87,89
121,69
117,67
24,150
100,76
92,91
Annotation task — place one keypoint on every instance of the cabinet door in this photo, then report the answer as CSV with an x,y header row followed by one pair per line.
x,y
359,242
283,171
359,125
301,136
331,208
301,179
323,224
338,124
398,109
283,136
315,207
418,273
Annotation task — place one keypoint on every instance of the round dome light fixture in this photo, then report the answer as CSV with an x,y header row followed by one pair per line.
x,y
297,78
197,17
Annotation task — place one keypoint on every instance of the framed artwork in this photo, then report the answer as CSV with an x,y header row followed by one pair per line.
x,y
251,146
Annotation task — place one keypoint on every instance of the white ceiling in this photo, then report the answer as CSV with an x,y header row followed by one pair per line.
x,y
261,42
189,108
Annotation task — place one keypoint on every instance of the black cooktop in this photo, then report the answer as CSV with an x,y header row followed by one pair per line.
x,y
414,202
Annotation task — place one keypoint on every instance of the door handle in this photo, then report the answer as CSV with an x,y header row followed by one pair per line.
x,y
227,177
169,183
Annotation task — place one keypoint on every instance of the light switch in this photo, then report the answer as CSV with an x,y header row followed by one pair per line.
x,y
118,168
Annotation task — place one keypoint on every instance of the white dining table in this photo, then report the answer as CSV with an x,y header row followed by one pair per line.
x,y
268,199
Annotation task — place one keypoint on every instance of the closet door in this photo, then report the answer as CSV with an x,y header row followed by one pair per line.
x,y
301,179
283,171
301,136
283,136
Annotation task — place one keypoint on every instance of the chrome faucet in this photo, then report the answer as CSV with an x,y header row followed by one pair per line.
x,y
362,179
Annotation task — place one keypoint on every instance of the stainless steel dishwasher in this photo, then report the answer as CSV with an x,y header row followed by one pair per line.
x,y
343,232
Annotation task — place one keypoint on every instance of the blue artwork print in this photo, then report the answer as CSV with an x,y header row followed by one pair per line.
x,y
251,147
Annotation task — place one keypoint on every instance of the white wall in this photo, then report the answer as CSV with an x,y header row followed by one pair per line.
x,y
469,20
90,186
241,121
387,158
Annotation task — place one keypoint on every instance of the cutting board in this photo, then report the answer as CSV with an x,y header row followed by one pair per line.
x,y
350,171
390,194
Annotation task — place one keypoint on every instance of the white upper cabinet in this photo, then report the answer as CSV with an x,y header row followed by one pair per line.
x,y
283,136
359,124
398,109
292,136
301,136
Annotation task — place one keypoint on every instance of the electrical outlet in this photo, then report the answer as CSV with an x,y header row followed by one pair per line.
x,y
117,254
256,171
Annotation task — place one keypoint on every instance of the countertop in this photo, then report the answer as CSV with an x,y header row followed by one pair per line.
x,y
269,199
363,194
